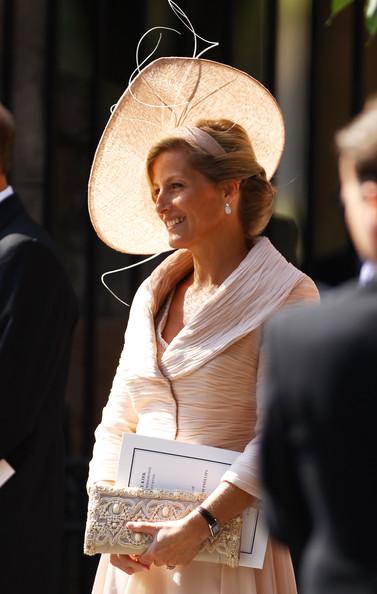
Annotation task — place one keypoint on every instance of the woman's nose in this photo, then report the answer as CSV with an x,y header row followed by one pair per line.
x,y
161,202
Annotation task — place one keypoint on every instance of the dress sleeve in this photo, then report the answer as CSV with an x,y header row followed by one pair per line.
x,y
244,472
118,417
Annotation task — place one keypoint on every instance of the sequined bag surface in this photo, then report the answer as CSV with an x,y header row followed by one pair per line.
x,y
110,508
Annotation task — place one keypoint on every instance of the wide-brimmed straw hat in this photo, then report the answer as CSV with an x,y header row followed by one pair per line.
x,y
170,93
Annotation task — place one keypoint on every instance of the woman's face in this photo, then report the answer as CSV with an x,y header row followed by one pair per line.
x,y
191,206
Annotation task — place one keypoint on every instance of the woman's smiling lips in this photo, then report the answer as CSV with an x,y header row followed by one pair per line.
x,y
173,222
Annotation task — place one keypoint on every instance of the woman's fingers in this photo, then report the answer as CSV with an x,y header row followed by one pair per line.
x,y
152,528
145,527
174,542
167,542
127,564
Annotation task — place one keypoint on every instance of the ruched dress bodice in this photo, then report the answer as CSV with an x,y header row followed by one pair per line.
x,y
217,404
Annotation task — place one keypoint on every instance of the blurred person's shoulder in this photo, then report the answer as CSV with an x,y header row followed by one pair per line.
x,y
24,239
29,256
340,310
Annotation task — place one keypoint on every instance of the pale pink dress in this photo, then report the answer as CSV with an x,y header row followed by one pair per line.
x,y
201,414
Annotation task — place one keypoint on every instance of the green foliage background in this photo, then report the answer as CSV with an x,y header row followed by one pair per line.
x,y
370,12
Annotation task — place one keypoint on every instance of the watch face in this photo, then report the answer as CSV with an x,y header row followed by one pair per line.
x,y
215,529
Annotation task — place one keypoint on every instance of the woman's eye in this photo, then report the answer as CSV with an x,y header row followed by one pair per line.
x,y
176,185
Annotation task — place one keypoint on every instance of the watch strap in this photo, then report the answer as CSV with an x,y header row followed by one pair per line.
x,y
213,524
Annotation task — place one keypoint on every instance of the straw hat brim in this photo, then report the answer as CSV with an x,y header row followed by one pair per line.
x,y
168,93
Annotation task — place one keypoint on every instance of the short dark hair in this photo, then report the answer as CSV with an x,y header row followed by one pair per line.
x,y
7,132
358,140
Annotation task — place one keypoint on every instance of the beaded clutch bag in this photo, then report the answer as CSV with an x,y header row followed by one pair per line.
x,y
110,508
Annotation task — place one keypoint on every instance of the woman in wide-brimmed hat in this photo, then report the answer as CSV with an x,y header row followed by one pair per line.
x,y
184,164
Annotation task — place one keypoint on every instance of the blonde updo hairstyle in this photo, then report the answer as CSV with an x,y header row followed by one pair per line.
x,y
237,163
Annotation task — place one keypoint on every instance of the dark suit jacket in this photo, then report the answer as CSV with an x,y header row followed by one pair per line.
x,y
319,442
38,310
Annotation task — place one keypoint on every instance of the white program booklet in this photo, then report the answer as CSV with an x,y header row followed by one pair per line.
x,y
154,463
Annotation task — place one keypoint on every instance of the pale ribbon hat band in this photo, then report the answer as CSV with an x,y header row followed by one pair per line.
x,y
200,138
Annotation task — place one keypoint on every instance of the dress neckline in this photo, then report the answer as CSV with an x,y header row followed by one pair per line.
x,y
162,317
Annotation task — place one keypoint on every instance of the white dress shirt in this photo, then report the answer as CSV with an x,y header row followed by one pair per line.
x,y
5,193
368,272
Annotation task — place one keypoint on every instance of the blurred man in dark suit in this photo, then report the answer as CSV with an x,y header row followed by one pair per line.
x,y
319,441
38,311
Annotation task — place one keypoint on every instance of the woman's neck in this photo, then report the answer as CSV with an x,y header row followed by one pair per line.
x,y
213,264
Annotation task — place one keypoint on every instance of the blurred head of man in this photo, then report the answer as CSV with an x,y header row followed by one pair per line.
x,y
6,143
357,145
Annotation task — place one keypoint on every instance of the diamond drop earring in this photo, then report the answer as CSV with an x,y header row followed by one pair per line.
x,y
227,208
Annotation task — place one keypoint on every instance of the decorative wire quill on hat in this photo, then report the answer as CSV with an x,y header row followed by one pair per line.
x,y
166,98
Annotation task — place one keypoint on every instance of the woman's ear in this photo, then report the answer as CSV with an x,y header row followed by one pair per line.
x,y
231,189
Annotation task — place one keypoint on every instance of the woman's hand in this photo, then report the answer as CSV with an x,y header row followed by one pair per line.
x,y
175,542
128,563
178,541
